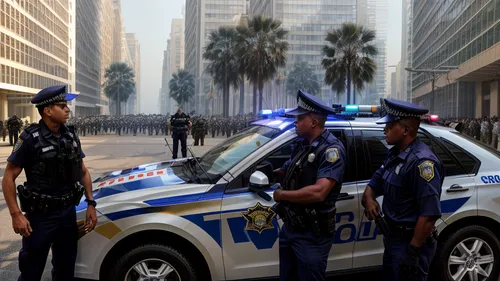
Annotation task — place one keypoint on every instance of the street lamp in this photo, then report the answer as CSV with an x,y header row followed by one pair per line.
x,y
433,73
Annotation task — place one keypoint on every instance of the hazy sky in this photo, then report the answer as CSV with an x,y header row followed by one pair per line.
x,y
150,21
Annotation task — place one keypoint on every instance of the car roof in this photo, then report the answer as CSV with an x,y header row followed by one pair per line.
x,y
286,123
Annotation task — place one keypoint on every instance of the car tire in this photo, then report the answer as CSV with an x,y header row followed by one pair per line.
x,y
154,254
444,270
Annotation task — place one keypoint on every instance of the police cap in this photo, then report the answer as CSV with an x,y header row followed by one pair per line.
x,y
51,95
307,103
396,110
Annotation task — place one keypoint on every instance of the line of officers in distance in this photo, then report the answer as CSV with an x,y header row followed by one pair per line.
x,y
157,124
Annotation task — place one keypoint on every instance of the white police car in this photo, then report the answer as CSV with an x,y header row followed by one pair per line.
x,y
194,219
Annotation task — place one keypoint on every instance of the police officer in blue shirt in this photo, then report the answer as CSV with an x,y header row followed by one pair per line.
x,y
312,179
51,155
410,181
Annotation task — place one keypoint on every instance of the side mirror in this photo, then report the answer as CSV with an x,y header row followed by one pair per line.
x,y
258,183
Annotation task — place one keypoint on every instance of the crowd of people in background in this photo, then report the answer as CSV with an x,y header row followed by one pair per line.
x,y
486,129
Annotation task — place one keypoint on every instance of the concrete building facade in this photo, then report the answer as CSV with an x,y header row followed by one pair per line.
x,y
461,34
406,49
36,51
203,16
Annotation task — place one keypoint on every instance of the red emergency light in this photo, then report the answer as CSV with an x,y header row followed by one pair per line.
x,y
434,118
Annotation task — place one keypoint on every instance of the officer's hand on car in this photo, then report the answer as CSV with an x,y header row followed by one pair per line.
x,y
90,219
408,266
21,224
277,195
372,209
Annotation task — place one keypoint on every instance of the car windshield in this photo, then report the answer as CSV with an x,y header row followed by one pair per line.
x,y
479,143
226,155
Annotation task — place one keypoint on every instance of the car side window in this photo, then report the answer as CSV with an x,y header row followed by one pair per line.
x,y
375,151
345,136
273,161
372,151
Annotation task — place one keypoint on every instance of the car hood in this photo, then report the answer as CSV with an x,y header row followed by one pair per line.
x,y
142,177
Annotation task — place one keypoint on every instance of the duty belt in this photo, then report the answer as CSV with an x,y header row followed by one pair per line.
x,y
33,201
406,231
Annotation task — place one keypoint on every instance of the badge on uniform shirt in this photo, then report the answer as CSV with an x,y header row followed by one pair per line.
x,y
259,218
18,145
332,154
426,170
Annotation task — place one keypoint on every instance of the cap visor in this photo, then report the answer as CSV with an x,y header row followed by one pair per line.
x,y
386,119
70,96
297,111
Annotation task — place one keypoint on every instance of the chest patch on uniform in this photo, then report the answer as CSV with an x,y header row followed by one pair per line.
x,y
18,145
426,170
45,149
259,218
332,154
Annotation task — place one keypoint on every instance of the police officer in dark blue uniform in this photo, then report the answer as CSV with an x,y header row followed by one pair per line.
x,y
180,124
51,155
312,179
410,181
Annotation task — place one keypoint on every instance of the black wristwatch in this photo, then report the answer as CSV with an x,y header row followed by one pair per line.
x,y
91,203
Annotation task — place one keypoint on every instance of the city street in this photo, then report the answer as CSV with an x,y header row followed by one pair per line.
x,y
104,153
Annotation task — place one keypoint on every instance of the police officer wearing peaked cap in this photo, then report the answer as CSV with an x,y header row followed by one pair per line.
x,y
312,179
51,155
410,181
180,123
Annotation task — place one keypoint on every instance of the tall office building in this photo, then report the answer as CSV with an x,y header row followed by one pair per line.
x,y
461,34
35,52
308,22
164,99
88,57
406,49
135,56
173,61
107,21
203,16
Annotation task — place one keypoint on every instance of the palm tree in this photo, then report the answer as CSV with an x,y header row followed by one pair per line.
x,y
119,83
223,66
181,87
264,50
302,77
349,58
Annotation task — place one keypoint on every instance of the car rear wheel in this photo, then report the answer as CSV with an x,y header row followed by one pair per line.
x,y
153,262
469,254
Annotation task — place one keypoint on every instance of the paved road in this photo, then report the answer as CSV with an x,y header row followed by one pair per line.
x,y
103,154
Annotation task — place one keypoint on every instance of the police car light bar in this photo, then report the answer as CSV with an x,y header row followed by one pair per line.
x,y
434,118
356,108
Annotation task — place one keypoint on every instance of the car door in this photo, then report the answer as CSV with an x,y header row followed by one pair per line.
x,y
371,151
251,250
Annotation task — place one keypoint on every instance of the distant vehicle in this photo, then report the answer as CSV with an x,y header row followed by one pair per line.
x,y
196,218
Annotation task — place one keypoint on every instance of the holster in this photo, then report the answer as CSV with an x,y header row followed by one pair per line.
x,y
78,194
24,198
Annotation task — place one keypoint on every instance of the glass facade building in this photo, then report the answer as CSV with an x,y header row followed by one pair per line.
x,y
88,57
456,34
34,52
203,16
308,22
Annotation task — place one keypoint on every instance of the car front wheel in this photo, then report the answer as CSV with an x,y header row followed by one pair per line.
x,y
469,254
153,262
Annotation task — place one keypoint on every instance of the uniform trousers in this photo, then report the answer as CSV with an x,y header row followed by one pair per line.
x,y
303,255
57,230
395,247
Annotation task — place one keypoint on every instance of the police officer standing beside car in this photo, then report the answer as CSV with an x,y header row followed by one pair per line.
x,y
180,123
410,181
50,154
311,180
